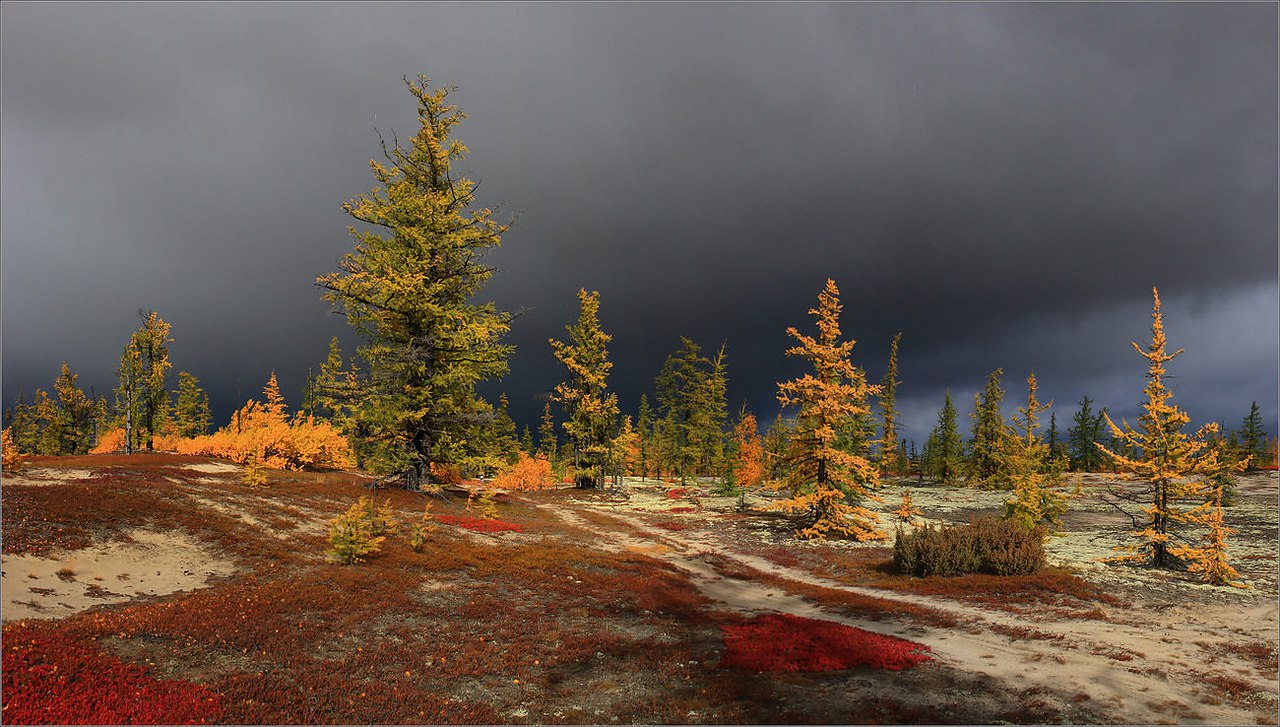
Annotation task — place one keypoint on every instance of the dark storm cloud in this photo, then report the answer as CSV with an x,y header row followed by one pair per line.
x,y
1003,183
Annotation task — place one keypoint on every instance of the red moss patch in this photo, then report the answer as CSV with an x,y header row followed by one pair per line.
x,y
478,525
676,493
682,509
780,642
55,678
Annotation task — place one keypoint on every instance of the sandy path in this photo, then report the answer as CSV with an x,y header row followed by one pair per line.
x,y
1153,687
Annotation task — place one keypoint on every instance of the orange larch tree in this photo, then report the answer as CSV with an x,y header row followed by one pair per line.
x,y
822,477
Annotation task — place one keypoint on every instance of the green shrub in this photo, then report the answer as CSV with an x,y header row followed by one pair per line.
x,y
988,545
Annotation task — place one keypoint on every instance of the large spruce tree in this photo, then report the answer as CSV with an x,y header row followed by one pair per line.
x,y
408,289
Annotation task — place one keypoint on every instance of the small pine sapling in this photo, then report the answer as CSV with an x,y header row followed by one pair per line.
x,y
483,505
255,473
907,512
381,519
419,531
1078,491
351,535
1210,559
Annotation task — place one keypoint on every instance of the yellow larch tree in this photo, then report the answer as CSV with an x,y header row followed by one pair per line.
x,y
1170,463
822,477
592,410
1024,458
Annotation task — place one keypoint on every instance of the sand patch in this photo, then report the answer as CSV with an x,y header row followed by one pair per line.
x,y
69,582
213,468
47,476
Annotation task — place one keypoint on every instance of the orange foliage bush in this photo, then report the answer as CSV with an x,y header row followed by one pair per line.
x,y
528,473
259,432
109,441
8,451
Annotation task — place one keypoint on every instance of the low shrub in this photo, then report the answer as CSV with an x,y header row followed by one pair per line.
x,y
478,525
54,677
780,642
987,545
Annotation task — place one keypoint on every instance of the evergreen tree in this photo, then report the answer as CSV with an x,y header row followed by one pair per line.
x,y
336,397
526,440
942,458
776,440
644,436
714,416
591,410
547,446
408,287
821,475
1253,438
70,416
502,441
142,399
690,391
892,458
23,426
191,411
1057,449
1083,438
988,433
1164,457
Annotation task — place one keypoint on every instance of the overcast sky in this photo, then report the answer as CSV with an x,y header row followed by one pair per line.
x,y
1003,183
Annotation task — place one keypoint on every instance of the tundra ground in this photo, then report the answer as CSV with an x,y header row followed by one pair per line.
x,y
601,607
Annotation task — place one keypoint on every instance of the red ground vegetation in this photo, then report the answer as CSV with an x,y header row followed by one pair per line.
x,y
676,493
781,642
478,525
672,526
681,509
53,676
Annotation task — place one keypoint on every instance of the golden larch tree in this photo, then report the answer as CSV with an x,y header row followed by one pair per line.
x,y
822,477
1024,459
1160,454
592,410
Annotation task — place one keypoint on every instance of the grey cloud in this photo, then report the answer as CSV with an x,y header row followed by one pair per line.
x,y
996,180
